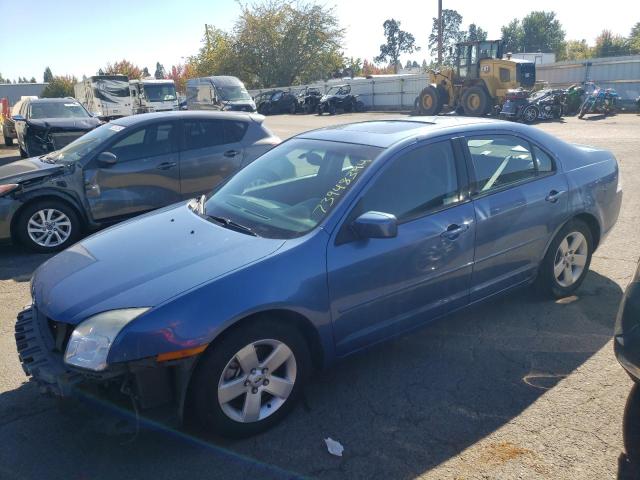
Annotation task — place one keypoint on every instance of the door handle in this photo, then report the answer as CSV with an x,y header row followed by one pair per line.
x,y
453,231
166,165
554,195
231,153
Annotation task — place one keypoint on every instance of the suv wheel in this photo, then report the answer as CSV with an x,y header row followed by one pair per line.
x,y
48,226
251,379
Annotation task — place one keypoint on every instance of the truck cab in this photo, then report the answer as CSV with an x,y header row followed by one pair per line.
x,y
152,95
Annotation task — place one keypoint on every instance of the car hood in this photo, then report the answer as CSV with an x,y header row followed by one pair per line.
x,y
28,169
142,263
66,123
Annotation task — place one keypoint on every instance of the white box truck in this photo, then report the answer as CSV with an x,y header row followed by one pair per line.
x,y
105,96
151,95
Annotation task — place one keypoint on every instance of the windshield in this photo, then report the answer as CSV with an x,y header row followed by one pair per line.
x,y
160,92
231,93
290,189
69,109
85,144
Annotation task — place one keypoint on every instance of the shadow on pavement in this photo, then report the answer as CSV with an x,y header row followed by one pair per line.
x,y
16,263
399,409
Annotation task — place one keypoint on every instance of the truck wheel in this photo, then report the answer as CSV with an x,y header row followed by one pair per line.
x,y
250,379
567,261
48,226
475,101
430,102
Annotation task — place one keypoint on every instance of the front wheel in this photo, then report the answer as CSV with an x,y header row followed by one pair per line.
x,y
48,226
251,378
530,114
567,261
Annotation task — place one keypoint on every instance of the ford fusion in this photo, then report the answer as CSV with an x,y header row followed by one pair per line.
x,y
221,307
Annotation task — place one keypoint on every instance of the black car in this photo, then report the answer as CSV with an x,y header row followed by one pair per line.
x,y
528,107
627,330
123,168
276,101
339,97
309,99
47,124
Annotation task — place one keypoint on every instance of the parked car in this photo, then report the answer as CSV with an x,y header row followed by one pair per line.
x,y
308,99
228,303
123,168
218,93
528,107
626,342
339,97
44,125
276,101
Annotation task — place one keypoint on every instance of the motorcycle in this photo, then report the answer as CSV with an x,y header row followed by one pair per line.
x,y
575,96
600,100
528,107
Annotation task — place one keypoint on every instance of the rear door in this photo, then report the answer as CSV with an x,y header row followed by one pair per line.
x,y
520,199
212,150
145,176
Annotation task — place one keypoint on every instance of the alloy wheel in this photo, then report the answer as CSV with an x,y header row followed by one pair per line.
x,y
49,227
570,259
257,381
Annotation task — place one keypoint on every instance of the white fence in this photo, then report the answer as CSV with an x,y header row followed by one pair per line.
x,y
399,91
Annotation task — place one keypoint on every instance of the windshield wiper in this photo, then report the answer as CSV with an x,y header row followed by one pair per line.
x,y
227,222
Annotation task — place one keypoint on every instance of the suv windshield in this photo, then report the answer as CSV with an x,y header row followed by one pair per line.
x,y
85,144
290,189
230,93
69,109
160,92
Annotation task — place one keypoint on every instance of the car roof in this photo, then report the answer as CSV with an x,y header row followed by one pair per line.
x,y
51,100
189,114
384,133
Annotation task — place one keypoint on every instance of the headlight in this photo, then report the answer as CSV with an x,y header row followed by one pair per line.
x,y
91,340
7,187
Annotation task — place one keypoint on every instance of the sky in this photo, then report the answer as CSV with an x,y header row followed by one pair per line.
x,y
79,37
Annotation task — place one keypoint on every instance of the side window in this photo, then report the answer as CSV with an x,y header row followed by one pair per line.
x,y
416,183
147,142
203,133
544,163
276,96
500,160
234,131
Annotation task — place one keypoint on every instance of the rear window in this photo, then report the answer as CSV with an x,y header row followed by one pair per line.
x,y
210,133
70,109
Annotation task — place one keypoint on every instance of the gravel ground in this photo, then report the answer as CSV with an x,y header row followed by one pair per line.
x,y
522,387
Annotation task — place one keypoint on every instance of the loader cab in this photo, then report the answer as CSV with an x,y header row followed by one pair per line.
x,y
469,55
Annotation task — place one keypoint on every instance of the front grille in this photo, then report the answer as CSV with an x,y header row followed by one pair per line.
x,y
61,332
63,139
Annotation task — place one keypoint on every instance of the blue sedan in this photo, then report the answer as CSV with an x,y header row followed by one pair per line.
x,y
335,240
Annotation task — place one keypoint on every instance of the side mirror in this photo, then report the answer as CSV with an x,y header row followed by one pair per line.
x,y
375,225
107,159
19,118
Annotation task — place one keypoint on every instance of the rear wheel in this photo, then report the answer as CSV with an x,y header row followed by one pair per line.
x,y
48,226
475,101
430,102
567,261
251,379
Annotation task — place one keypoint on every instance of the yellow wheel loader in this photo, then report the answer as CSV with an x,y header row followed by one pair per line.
x,y
478,80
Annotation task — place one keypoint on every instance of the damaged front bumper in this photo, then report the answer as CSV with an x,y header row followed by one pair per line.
x,y
149,383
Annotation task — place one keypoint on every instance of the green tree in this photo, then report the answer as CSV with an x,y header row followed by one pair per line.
x,y
160,74
576,50
353,67
216,55
634,39
512,36
48,76
475,34
60,86
280,42
33,80
610,45
398,42
145,72
539,31
2,80
123,67
451,34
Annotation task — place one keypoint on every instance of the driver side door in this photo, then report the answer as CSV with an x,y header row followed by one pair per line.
x,y
144,177
380,287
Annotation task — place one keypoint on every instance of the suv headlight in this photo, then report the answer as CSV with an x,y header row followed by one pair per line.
x,y
91,340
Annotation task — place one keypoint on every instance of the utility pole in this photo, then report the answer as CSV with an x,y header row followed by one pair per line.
x,y
439,32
